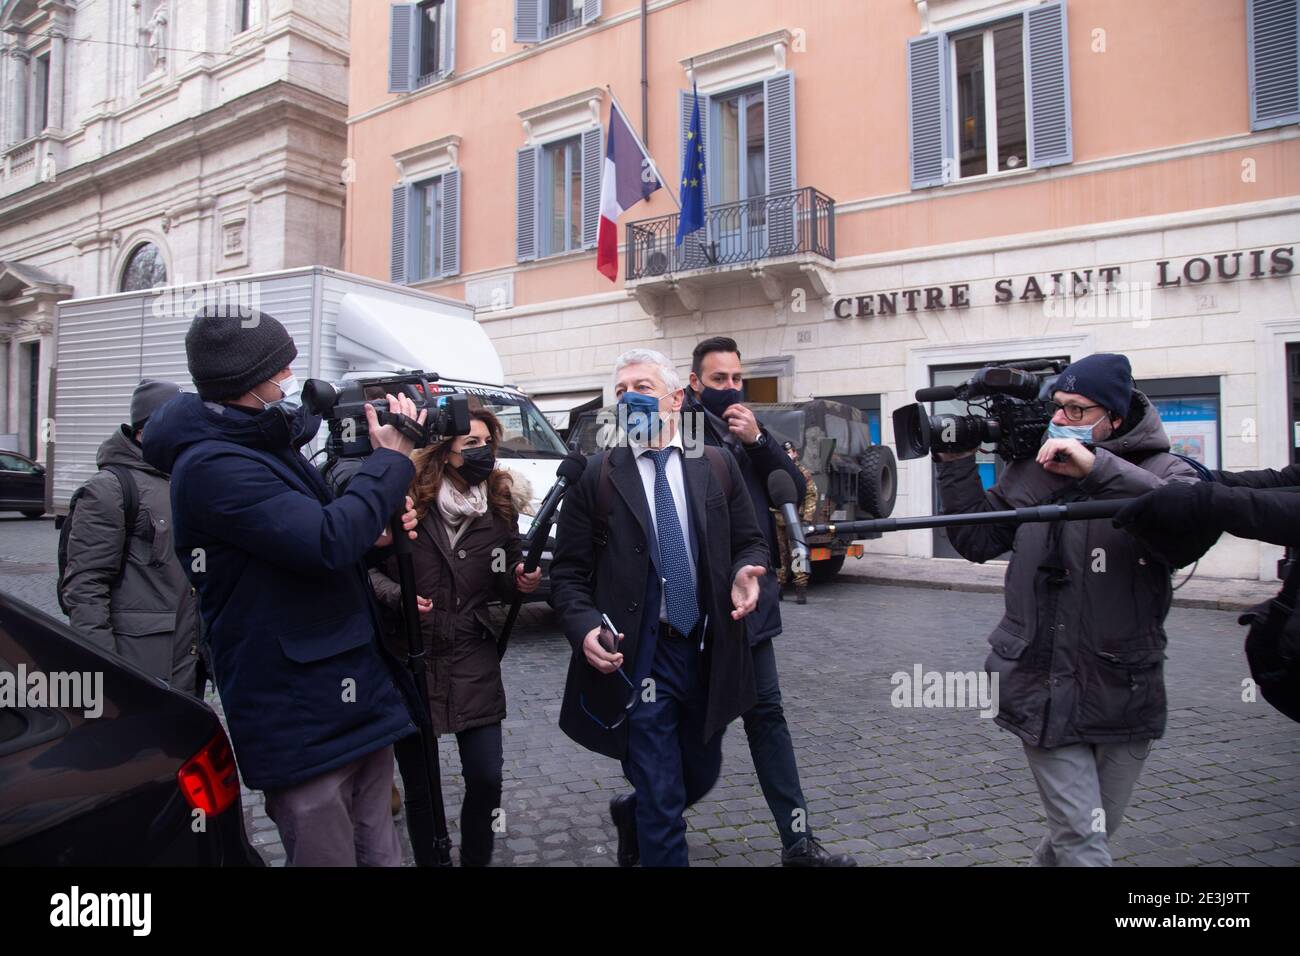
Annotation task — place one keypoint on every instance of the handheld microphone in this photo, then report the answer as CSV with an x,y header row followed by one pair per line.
x,y
781,492
939,393
570,470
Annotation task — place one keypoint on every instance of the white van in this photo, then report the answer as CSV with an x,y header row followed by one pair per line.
x,y
345,327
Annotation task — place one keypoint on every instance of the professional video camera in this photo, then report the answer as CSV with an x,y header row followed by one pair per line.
x,y
1013,397
343,406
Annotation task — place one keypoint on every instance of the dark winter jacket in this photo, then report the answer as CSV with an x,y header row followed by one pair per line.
x,y
291,620
756,462
465,688
1079,653
150,616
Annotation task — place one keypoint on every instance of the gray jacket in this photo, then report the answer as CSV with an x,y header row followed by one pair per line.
x,y
1079,653
150,617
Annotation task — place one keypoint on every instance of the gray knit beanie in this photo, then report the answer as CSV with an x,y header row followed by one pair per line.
x,y
149,396
230,351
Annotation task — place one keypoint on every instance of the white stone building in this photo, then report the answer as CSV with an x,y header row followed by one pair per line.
x,y
158,141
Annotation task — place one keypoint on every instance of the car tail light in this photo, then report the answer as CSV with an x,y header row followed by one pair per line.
x,y
209,779
819,554
855,551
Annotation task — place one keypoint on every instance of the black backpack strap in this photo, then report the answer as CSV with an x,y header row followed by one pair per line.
x,y
1290,587
604,493
130,507
718,464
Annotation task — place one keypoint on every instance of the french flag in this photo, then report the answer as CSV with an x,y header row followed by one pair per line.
x,y
629,177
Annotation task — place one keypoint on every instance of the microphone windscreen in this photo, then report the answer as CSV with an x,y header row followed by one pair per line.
x,y
780,488
571,468
939,393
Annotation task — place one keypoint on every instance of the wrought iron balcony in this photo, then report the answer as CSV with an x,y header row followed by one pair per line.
x,y
772,226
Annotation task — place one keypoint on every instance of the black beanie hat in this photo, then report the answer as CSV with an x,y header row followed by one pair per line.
x,y
1104,377
230,351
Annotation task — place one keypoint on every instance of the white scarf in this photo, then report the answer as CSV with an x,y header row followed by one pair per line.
x,y
457,509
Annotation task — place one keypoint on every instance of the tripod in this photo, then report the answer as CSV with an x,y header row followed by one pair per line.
x,y
417,755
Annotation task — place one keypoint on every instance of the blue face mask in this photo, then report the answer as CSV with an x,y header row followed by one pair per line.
x,y
1081,433
642,415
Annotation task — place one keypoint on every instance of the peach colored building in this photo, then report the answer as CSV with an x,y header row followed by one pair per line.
x,y
898,191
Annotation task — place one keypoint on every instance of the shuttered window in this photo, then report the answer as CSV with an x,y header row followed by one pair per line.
x,y
557,207
537,20
991,99
1273,58
421,43
426,229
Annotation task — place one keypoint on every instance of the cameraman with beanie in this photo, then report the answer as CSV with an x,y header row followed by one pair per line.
x,y
1079,652
312,700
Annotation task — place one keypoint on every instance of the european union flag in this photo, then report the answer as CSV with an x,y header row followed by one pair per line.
x,y
691,217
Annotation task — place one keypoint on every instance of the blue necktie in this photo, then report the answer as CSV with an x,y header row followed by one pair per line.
x,y
674,564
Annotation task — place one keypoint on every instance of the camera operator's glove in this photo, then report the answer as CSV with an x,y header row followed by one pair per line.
x,y
1177,521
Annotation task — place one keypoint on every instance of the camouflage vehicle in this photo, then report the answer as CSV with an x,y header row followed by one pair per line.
x,y
855,479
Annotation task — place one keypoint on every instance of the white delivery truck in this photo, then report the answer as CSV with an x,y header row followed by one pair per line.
x,y
345,327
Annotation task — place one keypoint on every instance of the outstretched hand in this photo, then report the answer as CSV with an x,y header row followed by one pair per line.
x,y
744,590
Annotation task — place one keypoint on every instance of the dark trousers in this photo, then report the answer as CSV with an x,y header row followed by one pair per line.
x,y
772,750
481,765
668,762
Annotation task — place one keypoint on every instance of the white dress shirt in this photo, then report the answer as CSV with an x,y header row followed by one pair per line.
x,y
676,474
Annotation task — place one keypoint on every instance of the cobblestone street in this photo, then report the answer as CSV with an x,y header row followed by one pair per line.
x,y
916,786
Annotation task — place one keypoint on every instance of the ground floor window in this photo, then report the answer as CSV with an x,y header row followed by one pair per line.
x,y
1189,409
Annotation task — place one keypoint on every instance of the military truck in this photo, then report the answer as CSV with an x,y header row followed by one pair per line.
x,y
855,479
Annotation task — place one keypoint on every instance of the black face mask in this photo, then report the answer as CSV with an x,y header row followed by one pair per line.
x,y
718,400
478,464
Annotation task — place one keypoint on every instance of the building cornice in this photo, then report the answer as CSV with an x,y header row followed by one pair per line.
x,y
272,107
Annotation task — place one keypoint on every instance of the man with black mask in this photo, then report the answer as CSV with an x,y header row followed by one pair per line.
x,y
715,397
312,700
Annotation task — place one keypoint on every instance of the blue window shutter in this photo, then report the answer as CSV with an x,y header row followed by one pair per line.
x,y
779,137
1047,86
691,250
528,21
928,110
526,163
590,11
593,167
451,223
448,38
397,251
1273,61
403,40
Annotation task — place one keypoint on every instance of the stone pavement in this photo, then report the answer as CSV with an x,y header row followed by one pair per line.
x,y
892,786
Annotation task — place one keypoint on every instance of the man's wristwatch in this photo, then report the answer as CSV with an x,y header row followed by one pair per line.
x,y
759,442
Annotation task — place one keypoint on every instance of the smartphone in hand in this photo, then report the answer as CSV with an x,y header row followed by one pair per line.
x,y
608,636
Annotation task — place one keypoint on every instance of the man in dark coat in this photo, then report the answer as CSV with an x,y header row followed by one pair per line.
x,y
142,608
312,700
715,399
1079,654
666,546
1182,522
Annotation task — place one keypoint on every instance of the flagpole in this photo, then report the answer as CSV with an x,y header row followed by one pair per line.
x,y
644,152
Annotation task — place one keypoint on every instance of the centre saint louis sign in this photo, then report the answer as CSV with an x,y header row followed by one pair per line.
x,y
1251,264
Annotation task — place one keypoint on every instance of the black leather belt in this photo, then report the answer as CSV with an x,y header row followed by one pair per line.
x,y
668,629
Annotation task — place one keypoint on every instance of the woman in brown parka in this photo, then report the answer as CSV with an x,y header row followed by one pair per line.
x,y
466,552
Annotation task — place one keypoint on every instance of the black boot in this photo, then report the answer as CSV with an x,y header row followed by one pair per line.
x,y
622,810
800,594
808,852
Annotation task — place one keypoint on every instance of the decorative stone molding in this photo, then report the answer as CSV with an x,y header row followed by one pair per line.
x,y
939,16
739,64
561,118
428,159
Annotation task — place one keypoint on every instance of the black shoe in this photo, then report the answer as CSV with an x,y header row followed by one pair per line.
x,y
622,810
808,852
